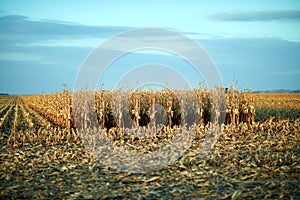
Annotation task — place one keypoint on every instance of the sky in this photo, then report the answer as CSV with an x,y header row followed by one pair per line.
x,y
44,44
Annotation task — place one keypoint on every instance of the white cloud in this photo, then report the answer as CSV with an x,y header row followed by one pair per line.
x,y
258,16
19,57
65,42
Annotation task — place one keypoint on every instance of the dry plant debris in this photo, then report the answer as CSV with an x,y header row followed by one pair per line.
x,y
43,157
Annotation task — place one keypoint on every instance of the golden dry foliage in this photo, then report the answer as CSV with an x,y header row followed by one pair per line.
x,y
55,107
111,110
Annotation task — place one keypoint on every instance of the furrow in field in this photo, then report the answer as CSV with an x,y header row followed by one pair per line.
x,y
38,120
6,122
27,118
20,124
4,110
6,106
2,107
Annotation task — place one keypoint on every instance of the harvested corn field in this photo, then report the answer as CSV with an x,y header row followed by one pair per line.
x,y
279,106
45,156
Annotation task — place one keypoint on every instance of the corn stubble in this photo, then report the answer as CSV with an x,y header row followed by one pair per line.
x,y
43,156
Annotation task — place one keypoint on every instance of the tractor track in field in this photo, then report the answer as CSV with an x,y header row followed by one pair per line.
x,y
4,110
20,124
39,120
7,118
23,125
29,118
6,106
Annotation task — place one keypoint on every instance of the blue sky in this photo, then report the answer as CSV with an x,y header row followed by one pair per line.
x,y
44,43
